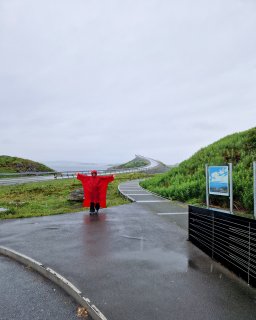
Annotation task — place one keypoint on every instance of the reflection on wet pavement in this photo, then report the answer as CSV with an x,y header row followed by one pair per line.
x,y
134,264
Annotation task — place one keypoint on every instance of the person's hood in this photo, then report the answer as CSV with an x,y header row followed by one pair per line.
x,y
94,171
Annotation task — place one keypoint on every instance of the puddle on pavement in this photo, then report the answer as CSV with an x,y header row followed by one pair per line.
x,y
52,228
171,260
94,218
133,238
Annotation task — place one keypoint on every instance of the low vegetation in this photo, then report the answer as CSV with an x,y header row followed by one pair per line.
x,y
135,163
14,164
49,198
187,182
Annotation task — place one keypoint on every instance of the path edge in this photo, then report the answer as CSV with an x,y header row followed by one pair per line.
x,y
55,277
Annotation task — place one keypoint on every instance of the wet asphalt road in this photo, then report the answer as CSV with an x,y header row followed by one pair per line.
x,y
26,295
134,262
69,174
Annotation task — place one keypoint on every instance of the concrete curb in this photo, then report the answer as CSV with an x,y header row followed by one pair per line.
x,y
125,195
58,279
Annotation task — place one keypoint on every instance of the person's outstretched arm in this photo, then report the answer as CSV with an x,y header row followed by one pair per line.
x,y
108,178
80,176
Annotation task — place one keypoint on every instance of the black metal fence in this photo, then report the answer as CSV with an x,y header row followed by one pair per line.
x,y
226,238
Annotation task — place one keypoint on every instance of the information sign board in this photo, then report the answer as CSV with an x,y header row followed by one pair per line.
x,y
218,180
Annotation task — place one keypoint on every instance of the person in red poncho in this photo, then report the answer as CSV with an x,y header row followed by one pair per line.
x,y
95,190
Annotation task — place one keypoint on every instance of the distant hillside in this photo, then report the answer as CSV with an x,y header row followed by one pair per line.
x,y
187,181
134,163
13,164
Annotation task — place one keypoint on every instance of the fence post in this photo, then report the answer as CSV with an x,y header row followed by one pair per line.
x,y
249,254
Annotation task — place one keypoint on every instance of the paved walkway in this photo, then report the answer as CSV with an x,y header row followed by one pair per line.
x,y
21,180
26,295
134,262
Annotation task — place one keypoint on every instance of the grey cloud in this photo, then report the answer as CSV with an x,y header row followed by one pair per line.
x,y
90,81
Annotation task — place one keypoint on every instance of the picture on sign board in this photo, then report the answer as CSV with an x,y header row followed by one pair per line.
x,y
218,180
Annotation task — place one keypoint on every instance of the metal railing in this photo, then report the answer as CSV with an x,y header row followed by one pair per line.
x,y
25,177
72,173
228,239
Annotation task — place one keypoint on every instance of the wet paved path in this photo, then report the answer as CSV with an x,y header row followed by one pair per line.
x,y
21,180
26,295
134,262
134,192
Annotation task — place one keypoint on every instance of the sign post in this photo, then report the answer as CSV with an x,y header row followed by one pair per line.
x,y
254,187
207,186
230,188
219,182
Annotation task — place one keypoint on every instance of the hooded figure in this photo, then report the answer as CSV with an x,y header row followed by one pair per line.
x,y
95,190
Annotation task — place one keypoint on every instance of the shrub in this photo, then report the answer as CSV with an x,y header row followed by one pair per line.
x,y
187,181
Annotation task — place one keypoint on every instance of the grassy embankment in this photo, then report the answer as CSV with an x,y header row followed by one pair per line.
x,y
186,183
14,164
49,198
134,163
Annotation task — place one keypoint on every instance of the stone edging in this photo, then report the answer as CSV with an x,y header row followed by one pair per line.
x,y
58,279
125,195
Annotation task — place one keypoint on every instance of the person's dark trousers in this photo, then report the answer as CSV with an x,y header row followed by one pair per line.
x,y
97,206
92,207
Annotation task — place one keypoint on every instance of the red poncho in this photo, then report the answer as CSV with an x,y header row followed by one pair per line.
x,y
95,188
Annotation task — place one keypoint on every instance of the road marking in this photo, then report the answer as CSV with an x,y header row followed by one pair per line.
x,y
129,188
125,190
138,194
152,201
170,213
129,237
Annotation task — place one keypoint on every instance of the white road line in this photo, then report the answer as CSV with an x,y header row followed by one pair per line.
x,y
125,190
138,194
153,201
129,188
129,237
135,189
170,213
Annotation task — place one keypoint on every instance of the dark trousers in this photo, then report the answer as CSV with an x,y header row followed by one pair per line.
x,y
94,206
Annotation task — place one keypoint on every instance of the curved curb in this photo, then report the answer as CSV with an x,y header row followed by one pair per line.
x,y
125,195
58,279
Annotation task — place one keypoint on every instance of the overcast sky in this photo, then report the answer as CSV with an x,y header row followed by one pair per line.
x,y
100,81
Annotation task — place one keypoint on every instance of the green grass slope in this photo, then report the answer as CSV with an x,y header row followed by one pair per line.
x,y
134,163
14,164
187,182
51,197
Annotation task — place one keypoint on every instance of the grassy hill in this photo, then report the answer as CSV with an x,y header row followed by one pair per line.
x,y
187,182
13,164
136,162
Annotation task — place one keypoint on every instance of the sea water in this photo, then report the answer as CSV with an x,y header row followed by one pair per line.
x,y
75,166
